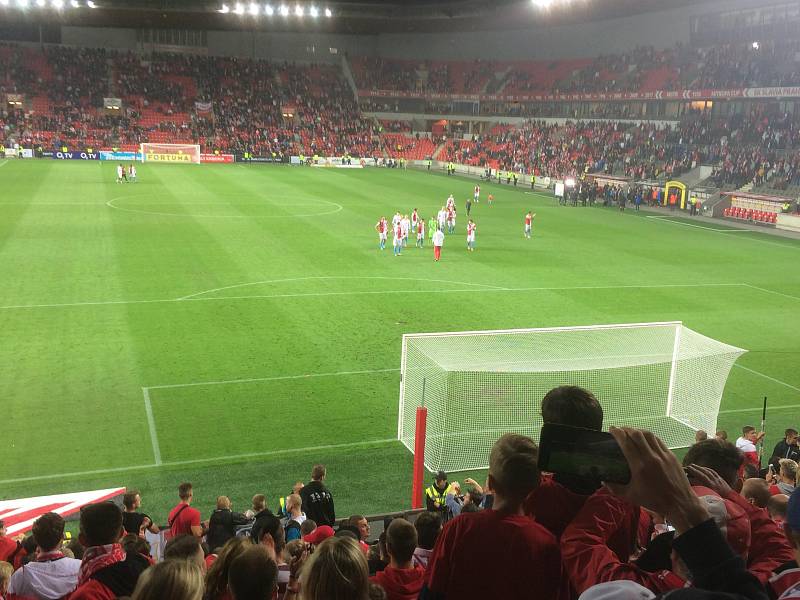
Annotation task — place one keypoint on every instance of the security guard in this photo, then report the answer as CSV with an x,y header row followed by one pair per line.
x,y
436,493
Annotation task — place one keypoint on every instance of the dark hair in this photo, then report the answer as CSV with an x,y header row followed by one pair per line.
x,y
441,476
475,496
749,470
76,548
184,490
428,526
129,499
101,523
790,432
182,547
747,429
318,472
574,406
48,531
307,526
353,520
252,575
401,540
135,544
269,524
718,455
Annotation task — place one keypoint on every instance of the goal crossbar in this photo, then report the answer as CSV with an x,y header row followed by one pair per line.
x,y
476,385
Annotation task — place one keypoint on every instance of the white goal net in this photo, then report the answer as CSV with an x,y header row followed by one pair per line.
x,y
478,385
170,153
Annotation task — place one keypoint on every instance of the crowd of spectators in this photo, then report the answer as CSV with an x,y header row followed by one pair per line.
x,y
712,526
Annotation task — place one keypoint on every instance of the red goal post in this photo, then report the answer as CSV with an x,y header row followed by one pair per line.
x,y
170,153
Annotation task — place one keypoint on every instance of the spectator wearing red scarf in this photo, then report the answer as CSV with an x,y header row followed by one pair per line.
x,y
106,572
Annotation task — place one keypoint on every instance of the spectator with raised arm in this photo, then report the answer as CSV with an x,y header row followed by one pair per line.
x,y
223,524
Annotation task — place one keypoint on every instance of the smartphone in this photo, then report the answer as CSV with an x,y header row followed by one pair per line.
x,y
582,453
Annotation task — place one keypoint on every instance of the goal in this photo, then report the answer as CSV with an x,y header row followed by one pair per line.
x,y
170,153
477,385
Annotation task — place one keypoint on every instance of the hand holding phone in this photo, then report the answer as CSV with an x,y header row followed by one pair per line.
x,y
585,453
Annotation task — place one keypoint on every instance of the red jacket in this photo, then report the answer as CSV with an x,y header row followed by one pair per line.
x,y
400,584
93,590
587,556
769,548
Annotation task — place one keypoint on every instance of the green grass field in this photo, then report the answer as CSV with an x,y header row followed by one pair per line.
x,y
233,325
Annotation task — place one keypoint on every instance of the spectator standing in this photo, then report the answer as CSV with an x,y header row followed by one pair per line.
x,y
317,499
5,575
756,491
428,526
283,501
776,507
223,523
8,546
185,547
402,580
783,482
269,532
50,575
785,582
498,552
747,444
176,580
436,495
294,517
786,448
183,519
132,520
106,572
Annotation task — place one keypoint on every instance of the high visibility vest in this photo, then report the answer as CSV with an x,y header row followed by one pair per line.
x,y
434,494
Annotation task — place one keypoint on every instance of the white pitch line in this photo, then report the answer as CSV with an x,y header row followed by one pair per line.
x,y
335,277
195,461
277,378
4,163
315,294
731,230
765,376
755,287
151,424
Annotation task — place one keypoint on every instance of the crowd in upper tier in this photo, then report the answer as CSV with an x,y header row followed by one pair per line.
x,y
233,105
722,524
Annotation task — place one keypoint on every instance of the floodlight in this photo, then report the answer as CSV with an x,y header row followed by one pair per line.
x,y
41,3
74,3
298,10
22,3
543,3
284,10
58,4
268,10
328,13
254,8
91,4
239,10
313,12
755,45
224,10
4,2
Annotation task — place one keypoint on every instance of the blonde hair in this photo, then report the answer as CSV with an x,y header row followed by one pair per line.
x,y
788,468
336,571
173,579
5,576
513,465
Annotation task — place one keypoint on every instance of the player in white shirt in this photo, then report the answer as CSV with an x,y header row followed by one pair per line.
x,y
132,173
477,194
381,227
405,225
451,202
441,218
396,219
121,174
414,219
451,220
471,227
438,242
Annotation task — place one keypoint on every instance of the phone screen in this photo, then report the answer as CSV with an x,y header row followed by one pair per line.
x,y
583,453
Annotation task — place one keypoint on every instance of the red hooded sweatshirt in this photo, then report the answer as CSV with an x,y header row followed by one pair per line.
x,y
400,584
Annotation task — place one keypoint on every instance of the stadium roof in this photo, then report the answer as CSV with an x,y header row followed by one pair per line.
x,y
348,16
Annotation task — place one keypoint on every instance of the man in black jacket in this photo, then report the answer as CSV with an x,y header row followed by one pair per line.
x,y
223,523
317,499
786,448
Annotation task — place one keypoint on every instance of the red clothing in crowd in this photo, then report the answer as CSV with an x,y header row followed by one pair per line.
x,y
490,554
181,520
7,547
400,584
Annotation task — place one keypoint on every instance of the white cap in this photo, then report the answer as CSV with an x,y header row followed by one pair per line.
x,y
617,590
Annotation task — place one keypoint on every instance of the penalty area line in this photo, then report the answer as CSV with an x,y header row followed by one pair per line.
x,y
667,219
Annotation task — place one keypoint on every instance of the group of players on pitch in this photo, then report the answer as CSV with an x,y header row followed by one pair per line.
x,y
403,226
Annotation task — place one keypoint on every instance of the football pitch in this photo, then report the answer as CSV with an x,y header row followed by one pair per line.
x,y
232,325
